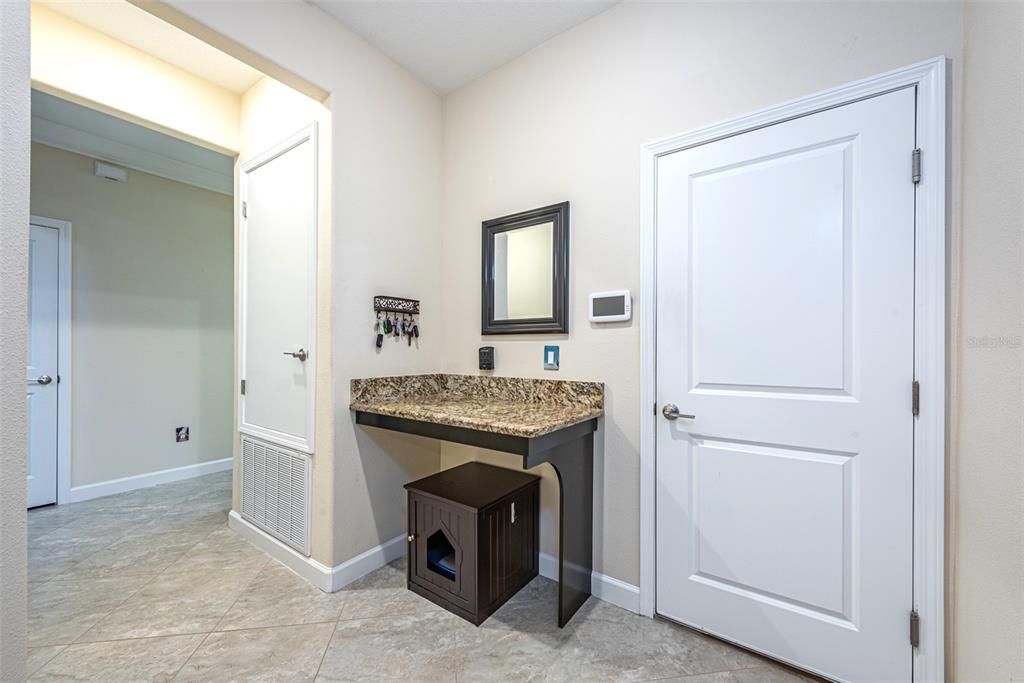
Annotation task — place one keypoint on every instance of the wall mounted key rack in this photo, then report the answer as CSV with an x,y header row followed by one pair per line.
x,y
397,318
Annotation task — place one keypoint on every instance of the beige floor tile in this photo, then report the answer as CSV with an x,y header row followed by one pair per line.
x,y
38,656
61,611
152,572
519,642
284,653
718,677
416,647
382,593
173,604
279,597
44,520
219,551
189,520
491,654
127,661
612,644
137,554
57,552
771,674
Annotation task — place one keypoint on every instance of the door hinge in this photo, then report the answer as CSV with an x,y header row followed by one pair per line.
x,y
915,166
915,629
245,209
915,398
243,387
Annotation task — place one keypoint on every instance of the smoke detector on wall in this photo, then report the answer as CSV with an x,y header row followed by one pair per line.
x,y
111,172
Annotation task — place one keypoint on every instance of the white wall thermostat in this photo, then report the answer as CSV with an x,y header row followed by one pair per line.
x,y
609,307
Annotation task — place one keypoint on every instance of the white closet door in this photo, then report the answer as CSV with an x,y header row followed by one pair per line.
x,y
41,368
278,292
785,340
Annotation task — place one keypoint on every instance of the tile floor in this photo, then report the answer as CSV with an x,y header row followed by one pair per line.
x,y
152,586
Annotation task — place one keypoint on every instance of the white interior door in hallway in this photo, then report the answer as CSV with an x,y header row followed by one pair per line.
x,y
277,250
41,371
785,336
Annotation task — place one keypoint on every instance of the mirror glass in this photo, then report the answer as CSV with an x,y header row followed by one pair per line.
x,y
524,273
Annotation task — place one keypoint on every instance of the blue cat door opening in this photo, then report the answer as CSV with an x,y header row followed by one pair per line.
x,y
441,555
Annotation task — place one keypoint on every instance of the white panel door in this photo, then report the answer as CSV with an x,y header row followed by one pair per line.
x,y
785,328
41,366
278,292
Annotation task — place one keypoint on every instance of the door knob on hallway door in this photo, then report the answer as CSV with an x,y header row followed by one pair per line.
x,y
300,354
671,412
44,379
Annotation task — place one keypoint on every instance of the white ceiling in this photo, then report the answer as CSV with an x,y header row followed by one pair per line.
x,y
140,29
449,43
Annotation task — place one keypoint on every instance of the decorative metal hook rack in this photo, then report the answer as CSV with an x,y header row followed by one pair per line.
x,y
394,304
403,324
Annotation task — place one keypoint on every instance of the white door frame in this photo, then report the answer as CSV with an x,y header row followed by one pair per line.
x,y
63,353
929,77
306,445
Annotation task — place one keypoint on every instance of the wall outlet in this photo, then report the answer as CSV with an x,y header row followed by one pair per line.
x,y
550,357
180,434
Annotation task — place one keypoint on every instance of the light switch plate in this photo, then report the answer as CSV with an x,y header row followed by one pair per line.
x,y
550,357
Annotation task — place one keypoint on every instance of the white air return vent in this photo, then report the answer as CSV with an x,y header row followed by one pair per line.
x,y
275,491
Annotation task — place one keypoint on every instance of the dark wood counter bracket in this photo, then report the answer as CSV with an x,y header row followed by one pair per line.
x,y
570,451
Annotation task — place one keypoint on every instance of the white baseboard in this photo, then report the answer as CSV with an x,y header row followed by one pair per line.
x,y
315,572
364,563
327,579
140,481
607,588
331,579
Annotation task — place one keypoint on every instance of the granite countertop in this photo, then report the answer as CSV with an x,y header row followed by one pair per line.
x,y
503,405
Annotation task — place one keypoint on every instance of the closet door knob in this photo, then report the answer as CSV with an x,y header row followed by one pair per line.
x,y
671,412
412,537
300,354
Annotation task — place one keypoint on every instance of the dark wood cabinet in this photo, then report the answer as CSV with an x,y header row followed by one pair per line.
x,y
473,537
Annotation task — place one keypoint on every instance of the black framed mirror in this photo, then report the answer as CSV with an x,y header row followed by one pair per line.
x,y
526,272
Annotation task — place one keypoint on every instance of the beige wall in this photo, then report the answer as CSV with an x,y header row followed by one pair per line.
x,y
79,63
386,195
15,112
587,100
987,475
151,317
567,120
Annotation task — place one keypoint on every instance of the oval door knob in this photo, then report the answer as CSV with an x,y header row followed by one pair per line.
x,y
671,412
412,537
300,354
44,379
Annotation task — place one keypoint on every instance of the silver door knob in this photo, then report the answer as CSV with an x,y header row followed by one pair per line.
x,y
671,412
44,379
300,354
412,537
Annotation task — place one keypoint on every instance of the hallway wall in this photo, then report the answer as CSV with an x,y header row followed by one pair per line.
x,y
152,312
